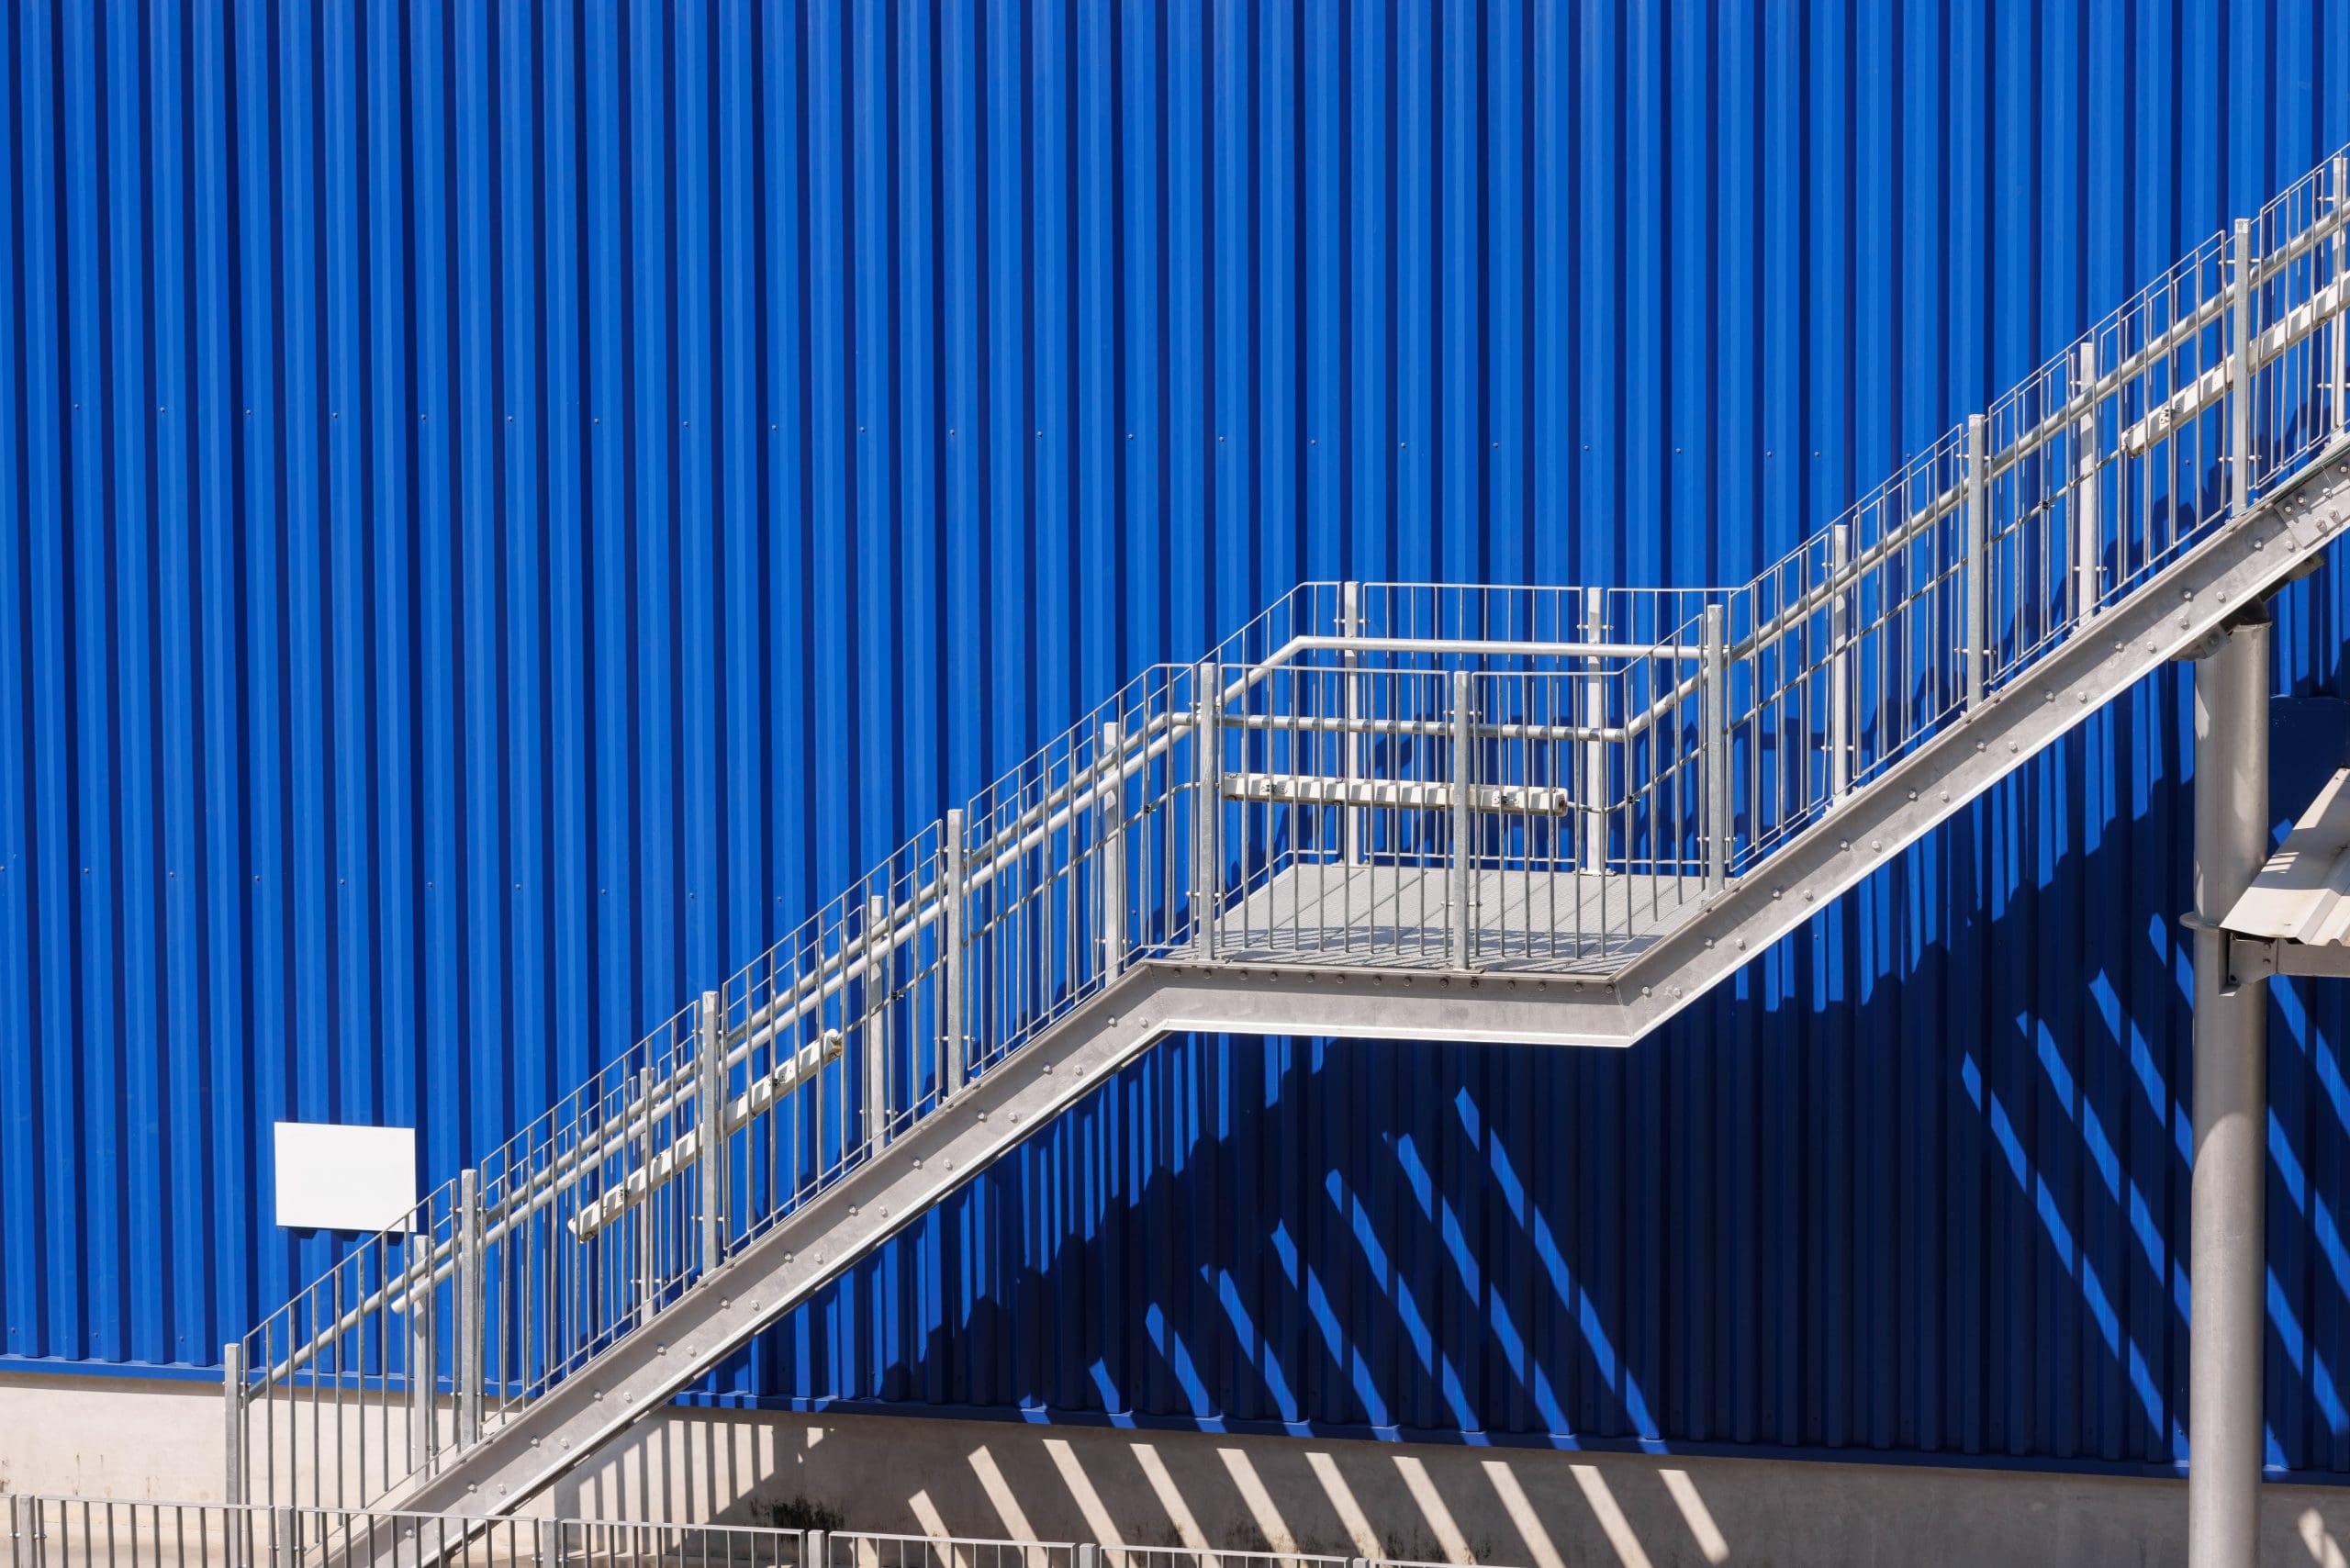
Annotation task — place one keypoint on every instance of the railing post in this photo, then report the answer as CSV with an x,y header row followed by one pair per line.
x,y
2240,375
284,1537
1350,744
421,1379
710,1112
1464,924
1089,1555
1716,716
950,957
232,1432
2088,523
876,1032
1207,807
1594,753
1110,812
1840,670
1976,566
472,1296
2341,296
648,1271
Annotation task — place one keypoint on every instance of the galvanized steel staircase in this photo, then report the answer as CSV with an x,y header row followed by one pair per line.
x,y
1507,814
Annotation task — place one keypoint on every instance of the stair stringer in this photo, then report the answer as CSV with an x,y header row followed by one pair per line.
x,y
773,1273
2167,617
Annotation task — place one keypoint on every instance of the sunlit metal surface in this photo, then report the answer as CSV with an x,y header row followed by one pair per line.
x,y
1562,784
2302,895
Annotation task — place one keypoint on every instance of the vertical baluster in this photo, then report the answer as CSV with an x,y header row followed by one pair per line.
x,y
1464,928
1207,764
2341,333
470,1299
418,1284
1349,750
1840,671
1716,717
874,1034
2239,373
2087,521
1594,752
1976,565
710,1114
1110,813
648,1268
950,957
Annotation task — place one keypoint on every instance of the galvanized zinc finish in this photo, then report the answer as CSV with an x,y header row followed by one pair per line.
x,y
507,507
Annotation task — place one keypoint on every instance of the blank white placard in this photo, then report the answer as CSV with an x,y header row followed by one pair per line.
x,y
333,1177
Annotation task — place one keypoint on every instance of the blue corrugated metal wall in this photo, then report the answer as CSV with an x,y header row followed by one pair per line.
x,y
506,506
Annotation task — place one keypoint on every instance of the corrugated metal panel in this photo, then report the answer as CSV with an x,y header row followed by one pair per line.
x,y
506,506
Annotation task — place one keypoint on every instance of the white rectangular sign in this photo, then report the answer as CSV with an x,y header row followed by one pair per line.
x,y
331,1177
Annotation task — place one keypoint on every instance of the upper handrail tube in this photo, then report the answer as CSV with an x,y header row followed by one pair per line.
x,y
1428,777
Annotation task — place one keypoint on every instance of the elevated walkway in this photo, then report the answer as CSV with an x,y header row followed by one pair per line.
x,y
1510,814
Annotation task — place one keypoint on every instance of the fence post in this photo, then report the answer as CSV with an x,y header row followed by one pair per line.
x,y
1110,814
811,1550
1594,753
1717,718
1089,1555
1207,807
710,1112
471,1297
950,957
284,1537
1977,565
1464,824
2240,375
2089,523
233,1432
1349,750
1840,666
876,1032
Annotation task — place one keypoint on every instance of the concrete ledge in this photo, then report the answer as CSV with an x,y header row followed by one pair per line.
x,y
1537,1508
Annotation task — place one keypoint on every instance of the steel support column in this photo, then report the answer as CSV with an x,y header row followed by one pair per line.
x,y
2225,1256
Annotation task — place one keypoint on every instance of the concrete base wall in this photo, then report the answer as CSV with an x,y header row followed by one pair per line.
x,y
1539,1509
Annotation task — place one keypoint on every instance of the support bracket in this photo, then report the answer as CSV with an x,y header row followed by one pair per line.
x,y
2250,959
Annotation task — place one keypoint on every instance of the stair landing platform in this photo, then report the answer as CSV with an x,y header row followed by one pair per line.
x,y
1384,916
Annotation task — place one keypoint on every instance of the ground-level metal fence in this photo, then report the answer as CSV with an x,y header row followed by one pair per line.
x,y
47,1531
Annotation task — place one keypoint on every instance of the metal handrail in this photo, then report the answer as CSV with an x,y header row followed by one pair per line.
x,y
1412,746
